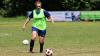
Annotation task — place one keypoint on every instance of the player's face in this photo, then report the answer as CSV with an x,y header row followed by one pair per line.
x,y
38,6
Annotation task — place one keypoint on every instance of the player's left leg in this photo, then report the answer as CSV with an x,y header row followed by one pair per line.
x,y
41,34
41,41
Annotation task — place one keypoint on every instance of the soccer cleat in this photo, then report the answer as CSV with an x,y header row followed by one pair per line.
x,y
31,52
41,47
41,50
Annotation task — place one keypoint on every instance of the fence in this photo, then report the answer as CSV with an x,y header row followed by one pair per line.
x,y
74,15
90,15
65,15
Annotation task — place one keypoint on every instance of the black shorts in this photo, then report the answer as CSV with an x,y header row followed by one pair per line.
x,y
41,33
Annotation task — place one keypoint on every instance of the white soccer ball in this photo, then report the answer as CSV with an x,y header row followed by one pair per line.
x,y
49,52
25,42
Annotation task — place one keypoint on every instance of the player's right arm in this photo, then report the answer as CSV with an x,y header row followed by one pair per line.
x,y
26,22
30,15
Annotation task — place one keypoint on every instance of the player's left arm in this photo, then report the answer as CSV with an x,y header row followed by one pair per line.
x,y
49,17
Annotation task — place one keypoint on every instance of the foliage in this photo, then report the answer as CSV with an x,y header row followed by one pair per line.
x,y
79,4
9,8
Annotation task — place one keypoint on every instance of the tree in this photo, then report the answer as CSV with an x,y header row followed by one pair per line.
x,y
7,8
79,4
11,8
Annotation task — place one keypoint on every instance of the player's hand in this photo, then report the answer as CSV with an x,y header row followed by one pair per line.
x,y
52,19
53,22
23,27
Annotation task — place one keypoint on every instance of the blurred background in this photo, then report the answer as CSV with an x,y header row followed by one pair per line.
x,y
71,10
79,37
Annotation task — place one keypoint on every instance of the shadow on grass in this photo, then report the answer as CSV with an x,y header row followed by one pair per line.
x,y
29,52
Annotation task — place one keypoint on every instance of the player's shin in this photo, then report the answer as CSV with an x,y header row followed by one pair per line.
x,y
31,45
41,44
41,47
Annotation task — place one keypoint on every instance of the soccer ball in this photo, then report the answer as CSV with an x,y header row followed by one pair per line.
x,y
49,52
25,42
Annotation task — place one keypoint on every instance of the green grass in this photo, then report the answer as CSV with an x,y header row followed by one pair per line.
x,y
65,38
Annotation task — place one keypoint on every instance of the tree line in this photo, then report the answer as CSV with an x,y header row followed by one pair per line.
x,y
9,8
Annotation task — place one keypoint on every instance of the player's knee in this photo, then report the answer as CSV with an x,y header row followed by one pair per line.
x,y
41,40
33,37
34,34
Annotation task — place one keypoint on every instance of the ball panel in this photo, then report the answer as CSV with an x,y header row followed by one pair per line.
x,y
49,52
25,42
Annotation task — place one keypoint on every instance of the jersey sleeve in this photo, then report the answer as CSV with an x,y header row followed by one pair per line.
x,y
30,14
46,13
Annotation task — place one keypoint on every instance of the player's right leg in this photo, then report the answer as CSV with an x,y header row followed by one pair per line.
x,y
41,34
34,34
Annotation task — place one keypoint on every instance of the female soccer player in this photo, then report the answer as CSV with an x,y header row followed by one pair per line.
x,y
39,16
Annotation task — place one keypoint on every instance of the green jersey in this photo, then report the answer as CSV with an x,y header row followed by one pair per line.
x,y
39,20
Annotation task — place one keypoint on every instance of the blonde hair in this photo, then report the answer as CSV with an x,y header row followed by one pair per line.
x,y
38,2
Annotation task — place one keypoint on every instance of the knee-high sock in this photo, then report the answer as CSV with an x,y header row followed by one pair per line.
x,y
41,47
31,45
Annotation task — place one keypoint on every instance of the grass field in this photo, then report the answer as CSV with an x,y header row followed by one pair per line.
x,y
65,38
